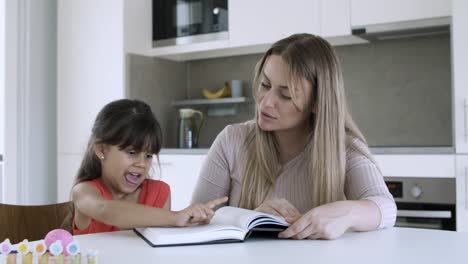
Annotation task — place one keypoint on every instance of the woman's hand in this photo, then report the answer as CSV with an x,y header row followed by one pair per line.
x,y
328,221
199,213
280,207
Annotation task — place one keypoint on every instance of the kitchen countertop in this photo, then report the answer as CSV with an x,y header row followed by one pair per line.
x,y
393,245
178,151
374,150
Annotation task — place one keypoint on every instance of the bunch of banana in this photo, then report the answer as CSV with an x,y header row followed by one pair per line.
x,y
224,91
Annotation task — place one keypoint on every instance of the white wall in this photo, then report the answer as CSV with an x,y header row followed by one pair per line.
x,y
11,82
30,101
2,80
90,73
2,94
39,186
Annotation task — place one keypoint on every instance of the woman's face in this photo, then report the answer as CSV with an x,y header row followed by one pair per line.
x,y
276,110
125,170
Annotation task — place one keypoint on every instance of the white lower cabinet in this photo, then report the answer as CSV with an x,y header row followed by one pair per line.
x,y
417,166
181,173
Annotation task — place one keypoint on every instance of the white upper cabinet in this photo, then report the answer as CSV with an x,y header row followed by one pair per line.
x,y
335,18
254,25
370,12
137,22
335,22
459,74
259,22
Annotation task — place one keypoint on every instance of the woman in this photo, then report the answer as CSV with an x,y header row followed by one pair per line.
x,y
302,157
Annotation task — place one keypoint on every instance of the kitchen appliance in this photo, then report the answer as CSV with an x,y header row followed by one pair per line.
x,y
189,128
178,22
407,29
424,202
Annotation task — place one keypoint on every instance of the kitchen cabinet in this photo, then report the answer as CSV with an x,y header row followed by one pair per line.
x,y
255,25
335,18
335,23
371,12
425,166
264,22
459,76
180,171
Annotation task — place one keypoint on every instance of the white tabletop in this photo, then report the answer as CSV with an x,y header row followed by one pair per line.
x,y
394,245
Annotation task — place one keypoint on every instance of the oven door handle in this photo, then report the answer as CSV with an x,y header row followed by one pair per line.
x,y
424,214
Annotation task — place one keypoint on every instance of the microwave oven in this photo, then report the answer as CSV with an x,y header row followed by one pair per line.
x,y
177,22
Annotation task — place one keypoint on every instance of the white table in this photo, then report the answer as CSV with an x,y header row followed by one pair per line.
x,y
395,245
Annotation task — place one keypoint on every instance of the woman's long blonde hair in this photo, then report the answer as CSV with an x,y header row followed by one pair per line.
x,y
312,58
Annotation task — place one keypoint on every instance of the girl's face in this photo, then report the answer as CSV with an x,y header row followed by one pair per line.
x,y
124,170
276,110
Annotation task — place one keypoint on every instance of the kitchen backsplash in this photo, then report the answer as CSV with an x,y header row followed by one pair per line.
x,y
399,91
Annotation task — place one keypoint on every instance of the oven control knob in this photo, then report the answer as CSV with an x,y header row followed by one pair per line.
x,y
416,191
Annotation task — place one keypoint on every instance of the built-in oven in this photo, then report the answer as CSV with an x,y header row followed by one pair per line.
x,y
424,202
178,22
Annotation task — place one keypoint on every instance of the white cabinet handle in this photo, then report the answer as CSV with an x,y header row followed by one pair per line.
x,y
424,214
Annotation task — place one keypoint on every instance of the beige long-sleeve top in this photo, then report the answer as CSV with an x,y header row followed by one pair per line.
x,y
221,175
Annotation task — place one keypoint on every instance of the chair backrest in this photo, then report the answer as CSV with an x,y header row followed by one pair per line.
x,y
18,222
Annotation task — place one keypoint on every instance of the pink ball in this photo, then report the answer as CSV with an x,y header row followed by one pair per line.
x,y
59,234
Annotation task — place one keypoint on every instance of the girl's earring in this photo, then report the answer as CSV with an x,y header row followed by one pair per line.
x,y
102,157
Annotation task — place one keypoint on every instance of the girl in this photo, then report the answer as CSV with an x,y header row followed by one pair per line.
x,y
302,157
111,190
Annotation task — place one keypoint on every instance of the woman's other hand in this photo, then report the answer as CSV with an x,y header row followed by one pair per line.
x,y
328,221
199,213
280,207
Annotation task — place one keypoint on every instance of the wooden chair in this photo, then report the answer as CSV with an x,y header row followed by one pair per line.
x,y
19,222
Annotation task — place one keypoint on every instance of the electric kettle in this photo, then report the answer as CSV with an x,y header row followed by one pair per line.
x,y
189,128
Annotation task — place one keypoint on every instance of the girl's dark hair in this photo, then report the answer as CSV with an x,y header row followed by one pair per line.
x,y
121,123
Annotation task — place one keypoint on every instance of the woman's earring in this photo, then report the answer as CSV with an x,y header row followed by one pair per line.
x,y
102,157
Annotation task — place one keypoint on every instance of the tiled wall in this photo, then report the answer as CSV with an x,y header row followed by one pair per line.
x,y
399,91
159,82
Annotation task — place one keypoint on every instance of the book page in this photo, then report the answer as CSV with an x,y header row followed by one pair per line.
x,y
244,218
191,235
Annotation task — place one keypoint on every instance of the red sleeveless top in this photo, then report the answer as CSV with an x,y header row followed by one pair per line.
x,y
153,193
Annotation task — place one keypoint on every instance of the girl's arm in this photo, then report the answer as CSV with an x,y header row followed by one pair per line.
x,y
89,204
168,203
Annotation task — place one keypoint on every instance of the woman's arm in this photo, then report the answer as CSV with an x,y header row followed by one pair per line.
x,y
89,204
364,182
332,220
369,204
214,178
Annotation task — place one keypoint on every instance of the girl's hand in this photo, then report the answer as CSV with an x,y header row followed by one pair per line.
x,y
199,213
280,207
328,221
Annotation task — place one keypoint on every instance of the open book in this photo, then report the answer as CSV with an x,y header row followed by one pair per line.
x,y
229,224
